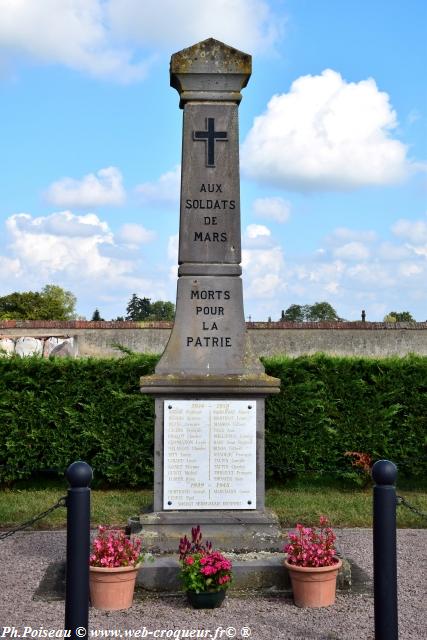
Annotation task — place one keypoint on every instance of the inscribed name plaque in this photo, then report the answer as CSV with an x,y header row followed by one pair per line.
x,y
209,454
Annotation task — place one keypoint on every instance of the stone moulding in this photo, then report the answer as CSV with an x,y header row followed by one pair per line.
x,y
259,384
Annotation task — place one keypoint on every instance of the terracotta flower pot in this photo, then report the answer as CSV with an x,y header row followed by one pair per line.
x,y
112,588
206,600
314,586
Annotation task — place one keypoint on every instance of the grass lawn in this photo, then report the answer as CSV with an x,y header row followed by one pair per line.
x,y
297,501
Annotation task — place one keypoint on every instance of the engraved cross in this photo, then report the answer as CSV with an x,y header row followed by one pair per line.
x,y
210,135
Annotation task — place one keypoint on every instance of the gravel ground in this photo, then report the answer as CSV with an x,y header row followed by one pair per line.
x,y
24,558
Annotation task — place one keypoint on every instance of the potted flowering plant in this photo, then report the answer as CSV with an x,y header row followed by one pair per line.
x,y
113,567
205,573
313,564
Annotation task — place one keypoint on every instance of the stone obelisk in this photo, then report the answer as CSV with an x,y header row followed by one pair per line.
x,y
209,388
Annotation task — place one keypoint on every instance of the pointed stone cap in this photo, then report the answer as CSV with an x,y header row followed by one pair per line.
x,y
210,71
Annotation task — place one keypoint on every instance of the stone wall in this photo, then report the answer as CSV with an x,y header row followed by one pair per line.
x,y
268,339
44,346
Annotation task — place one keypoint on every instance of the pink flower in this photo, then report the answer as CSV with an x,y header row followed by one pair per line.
x,y
311,548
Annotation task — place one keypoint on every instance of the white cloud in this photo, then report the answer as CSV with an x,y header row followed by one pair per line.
x,y
73,33
356,270
413,230
9,268
416,232
64,243
410,269
135,234
262,270
81,253
326,133
274,208
374,274
389,251
247,24
62,223
257,231
173,244
115,39
352,251
103,189
164,190
344,234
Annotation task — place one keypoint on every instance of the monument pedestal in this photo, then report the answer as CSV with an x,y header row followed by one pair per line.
x,y
239,530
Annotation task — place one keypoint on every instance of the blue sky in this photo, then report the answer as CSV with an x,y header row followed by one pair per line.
x,y
333,129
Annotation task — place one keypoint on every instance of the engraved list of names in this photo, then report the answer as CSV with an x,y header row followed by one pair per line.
x,y
209,454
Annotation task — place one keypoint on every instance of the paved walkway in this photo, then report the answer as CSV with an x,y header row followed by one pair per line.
x,y
25,558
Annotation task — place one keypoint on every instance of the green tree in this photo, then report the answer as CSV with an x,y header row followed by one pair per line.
x,y
138,308
399,316
20,306
321,312
294,313
162,310
51,303
57,303
317,312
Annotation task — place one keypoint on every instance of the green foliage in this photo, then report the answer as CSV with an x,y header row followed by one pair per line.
x,y
143,309
317,312
138,308
53,412
321,312
162,310
51,303
330,405
294,313
399,316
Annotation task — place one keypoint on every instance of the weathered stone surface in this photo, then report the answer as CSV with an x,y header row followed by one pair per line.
x,y
239,531
29,347
210,193
64,349
254,572
268,339
210,70
262,572
208,336
208,354
50,344
7,347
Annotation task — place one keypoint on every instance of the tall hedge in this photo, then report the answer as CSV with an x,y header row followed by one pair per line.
x,y
53,412
330,405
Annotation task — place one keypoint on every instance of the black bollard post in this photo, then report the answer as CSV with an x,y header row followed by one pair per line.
x,y
79,475
384,474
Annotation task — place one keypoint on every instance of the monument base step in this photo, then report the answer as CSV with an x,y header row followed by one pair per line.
x,y
238,531
260,572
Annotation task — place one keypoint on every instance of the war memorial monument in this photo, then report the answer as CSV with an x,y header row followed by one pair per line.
x,y
208,386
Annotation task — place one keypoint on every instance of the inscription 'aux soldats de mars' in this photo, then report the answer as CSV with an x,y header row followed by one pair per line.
x,y
218,203
210,205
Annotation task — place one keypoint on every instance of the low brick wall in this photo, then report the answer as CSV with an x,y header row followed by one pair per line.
x,y
274,338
